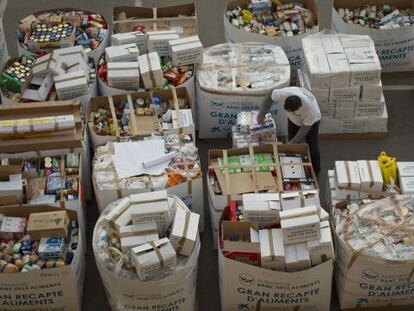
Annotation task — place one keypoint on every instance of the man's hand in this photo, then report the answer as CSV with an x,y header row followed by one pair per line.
x,y
260,118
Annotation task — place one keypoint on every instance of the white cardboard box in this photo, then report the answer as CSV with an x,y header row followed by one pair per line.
x,y
151,207
405,169
407,184
369,109
364,64
340,194
186,51
321,250
71,85
49,63
12,187
147,261
316,63
41,93
272,250
327,111
370,175
300,229
292,200
72,54
134,235
158,41
347,174
340,70
137,37
184,231
344,110
371,93
122,53
344,94
123,75
150,67
265,213
303,256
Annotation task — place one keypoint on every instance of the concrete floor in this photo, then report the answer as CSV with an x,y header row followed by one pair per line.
x,y
399,142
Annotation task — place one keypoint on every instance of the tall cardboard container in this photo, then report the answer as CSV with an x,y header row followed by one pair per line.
x,y
291,45
57,288
246,83
394,46
127,292
243,285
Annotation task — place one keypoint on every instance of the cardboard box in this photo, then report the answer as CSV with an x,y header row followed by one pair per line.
x,y
72,54
316,63
321,95
303,256
42,89
344,110
272,250
66,280
49,63
370,109
341,194
322,250
135,235
407,184
136,37
186,51
300,229
120,215
123,75
49,224
158,41
405,169
122,53
186,118
364,64
12,228
347,174
154,257
150,67
11,187
180,18
340,70
71,85
263,212
327,111
344,94
293,200
371,93
299,212
151,207
370,175
184,231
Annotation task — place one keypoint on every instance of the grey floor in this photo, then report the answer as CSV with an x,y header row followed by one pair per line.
x,y
399,142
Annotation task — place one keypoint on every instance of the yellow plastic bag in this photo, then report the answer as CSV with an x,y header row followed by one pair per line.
x,y
247,15
388,166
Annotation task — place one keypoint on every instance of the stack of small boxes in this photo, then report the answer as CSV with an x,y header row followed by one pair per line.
x,y
362,179
68,69
303,240
142,222
344,74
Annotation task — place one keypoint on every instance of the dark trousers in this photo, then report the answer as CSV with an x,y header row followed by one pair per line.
x,y
312,140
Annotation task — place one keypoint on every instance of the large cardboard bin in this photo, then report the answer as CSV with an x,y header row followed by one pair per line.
x,y
394,46
49,289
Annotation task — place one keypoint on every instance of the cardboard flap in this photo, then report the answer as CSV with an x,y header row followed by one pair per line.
x,y
72,138
243,182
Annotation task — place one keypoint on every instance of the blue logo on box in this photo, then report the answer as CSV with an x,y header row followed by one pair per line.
x,y
369,275
217,103
246,279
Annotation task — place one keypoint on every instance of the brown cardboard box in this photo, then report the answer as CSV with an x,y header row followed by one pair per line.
x,y
179,17
63,139
48,224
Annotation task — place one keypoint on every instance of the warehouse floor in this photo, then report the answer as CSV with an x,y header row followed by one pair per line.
x,y
399,142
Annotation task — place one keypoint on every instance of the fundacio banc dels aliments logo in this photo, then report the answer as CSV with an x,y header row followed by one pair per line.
x,y
369,275
246,279
217,103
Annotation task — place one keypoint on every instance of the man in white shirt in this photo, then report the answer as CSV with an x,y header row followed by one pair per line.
x,y
303,117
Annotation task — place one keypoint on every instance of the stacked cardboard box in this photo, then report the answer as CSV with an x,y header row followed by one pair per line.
x,y
344,74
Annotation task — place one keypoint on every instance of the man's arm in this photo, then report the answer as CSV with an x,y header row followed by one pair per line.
x,y
300,135
265,107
